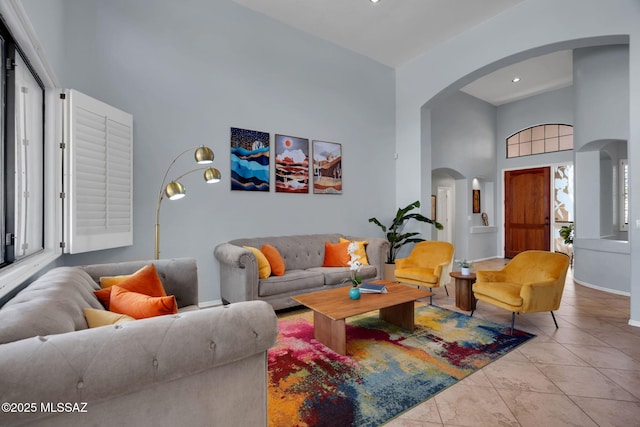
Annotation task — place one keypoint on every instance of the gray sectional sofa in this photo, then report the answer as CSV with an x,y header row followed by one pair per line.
x,y
198,367
303,256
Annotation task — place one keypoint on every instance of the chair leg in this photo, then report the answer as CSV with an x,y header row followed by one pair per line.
x,y
513,320
554,319
446,290
431,297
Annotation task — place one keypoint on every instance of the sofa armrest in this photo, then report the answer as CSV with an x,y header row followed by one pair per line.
x,y
94,364
238,273
541,296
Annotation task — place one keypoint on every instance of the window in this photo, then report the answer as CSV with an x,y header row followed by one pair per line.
x,y
540,139
22,153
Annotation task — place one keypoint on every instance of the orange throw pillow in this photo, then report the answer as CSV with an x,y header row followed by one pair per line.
x,y
140,306
144,281
336,255
108,281
275,259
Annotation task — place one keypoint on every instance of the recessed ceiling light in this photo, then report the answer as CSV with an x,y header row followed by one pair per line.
x,y
515,79
374,1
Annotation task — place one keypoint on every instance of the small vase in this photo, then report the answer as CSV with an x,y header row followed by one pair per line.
x,y
354,293
464,271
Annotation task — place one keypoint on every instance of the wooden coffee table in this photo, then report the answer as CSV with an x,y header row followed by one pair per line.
x,y
332,307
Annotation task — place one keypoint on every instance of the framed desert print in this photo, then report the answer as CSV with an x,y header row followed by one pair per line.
x,y
292,164
476,201
327,167
433,207
249,160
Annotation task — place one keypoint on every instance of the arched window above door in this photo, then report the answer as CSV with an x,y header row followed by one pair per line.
x,y
547,138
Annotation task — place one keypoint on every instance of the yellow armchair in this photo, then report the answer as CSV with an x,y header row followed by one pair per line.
x,y
533,281
428,264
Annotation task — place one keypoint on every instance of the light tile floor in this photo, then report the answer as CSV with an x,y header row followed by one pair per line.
x,y
586,373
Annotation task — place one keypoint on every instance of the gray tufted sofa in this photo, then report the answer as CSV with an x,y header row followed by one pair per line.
x,y
196,368
303,256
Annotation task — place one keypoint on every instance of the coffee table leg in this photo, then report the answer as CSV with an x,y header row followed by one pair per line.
x,y
329,332
401,315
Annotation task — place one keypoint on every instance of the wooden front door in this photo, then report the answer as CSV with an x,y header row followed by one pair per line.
x,y
527,209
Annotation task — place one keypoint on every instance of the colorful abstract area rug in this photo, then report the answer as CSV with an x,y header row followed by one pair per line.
x,y
387,370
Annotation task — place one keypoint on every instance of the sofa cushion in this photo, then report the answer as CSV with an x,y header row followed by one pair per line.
x,y
264,268
96,318
144,281
505,292
140,306
336,254
278,266
291,281
339,275
53,304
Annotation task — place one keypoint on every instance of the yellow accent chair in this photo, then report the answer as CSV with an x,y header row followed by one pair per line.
x,y
532,281
428,264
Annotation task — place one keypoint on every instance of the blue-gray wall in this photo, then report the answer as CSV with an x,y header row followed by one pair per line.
x,y
444,69
190,70
463,140
601,81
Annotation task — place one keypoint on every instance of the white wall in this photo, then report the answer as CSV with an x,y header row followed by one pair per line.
x,y
501,41
190,70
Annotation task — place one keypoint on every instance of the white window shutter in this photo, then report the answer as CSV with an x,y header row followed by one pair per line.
x,y
98,176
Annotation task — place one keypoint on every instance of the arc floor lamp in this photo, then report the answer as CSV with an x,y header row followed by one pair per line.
x,y
174,190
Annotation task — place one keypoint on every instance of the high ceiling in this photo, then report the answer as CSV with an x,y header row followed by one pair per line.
x,y
393,32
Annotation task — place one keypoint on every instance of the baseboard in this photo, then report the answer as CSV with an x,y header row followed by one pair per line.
x,y
600,288
635,323
209,304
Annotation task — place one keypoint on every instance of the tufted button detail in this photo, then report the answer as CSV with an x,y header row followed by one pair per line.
x,y
43,339
212,345
80,384
118,327
155,363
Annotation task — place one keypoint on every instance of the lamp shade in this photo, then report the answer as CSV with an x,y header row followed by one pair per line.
x,y
203,155
174,190
212,175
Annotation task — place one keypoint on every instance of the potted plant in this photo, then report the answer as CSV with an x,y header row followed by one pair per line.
x,y
397,238
354,267
465,266
566,232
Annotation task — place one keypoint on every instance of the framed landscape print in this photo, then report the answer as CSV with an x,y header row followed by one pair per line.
x,y
327,167
292,164
249,160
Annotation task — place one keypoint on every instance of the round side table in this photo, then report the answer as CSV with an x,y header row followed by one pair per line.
x,y
465,299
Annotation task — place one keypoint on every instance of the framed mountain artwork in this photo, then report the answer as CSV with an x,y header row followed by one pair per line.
x,y
327,167
249,160
292,164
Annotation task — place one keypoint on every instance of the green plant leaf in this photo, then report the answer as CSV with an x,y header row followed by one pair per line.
x,y
394,233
